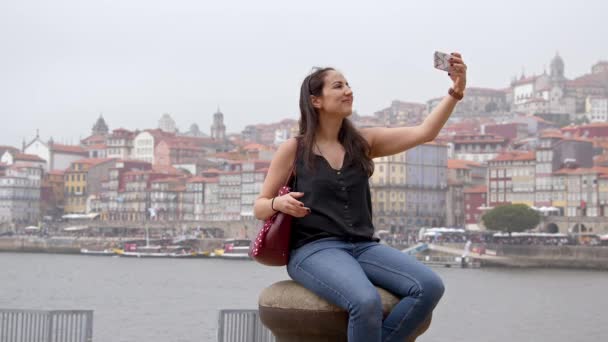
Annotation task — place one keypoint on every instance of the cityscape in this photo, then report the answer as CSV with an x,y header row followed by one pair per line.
x,y
137,136
541,141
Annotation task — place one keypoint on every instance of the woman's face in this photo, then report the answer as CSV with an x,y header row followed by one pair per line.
x,y
337,96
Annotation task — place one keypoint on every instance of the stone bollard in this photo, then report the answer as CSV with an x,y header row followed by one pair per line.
x,y
294,314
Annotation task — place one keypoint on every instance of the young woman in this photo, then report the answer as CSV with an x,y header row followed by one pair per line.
x,y
334,253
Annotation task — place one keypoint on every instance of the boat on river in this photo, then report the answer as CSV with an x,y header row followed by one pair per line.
x,y
98,252
235,249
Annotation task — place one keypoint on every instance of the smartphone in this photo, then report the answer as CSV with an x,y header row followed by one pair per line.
x,y
442,60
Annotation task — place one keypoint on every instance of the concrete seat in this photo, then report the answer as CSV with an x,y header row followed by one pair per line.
x,y
294,314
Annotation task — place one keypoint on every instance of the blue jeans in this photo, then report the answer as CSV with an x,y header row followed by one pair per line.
x,y
344,273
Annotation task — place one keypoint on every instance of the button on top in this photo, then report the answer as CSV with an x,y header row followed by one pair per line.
x,y
346,206
343,188
338,172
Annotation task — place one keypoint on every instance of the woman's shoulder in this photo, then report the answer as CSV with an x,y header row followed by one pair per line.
x,y
288,148
290,145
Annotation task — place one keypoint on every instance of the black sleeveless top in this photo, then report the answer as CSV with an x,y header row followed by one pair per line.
x,y
340,203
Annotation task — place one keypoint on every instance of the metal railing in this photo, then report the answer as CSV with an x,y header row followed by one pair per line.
x,y
46,326
242,326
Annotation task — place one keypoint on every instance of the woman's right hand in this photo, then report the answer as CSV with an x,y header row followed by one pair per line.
x,y
289,205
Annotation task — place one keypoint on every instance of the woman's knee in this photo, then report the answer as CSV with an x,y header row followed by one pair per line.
x,y
367,303
433,288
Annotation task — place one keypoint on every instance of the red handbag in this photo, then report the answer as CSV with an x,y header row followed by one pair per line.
x,y
271,246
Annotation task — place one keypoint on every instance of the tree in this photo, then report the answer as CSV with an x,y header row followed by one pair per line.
x,y
511,218
581,120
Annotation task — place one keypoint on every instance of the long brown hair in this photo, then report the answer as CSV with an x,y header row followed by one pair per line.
x,y
356,147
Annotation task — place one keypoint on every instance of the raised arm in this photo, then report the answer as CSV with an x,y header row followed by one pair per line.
x,y
386,141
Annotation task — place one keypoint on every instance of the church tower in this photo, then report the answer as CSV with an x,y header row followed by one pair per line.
x,y
167,124
557,69
218,129
100,127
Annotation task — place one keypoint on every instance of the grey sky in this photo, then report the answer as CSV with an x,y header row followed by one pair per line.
x,y
63,62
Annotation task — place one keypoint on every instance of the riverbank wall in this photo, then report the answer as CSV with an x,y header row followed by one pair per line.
x,y
71,245
576,257
535,256
571,257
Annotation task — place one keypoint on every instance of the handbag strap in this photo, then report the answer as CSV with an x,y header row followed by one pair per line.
x,y
293,165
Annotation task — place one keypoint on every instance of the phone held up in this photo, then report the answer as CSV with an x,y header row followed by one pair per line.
x,y
442,60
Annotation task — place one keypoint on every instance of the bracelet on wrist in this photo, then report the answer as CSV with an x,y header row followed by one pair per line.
x,y
272,204
455,95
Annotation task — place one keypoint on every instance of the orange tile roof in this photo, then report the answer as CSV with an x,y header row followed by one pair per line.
x,y
515,156
167,180
582,171
454,182
213,170
166,170
93,161
4,148
480,141
589,80
551,134
458,164
435,143
539,119
255,146
94,137
95,147
595,124
67,149
28,157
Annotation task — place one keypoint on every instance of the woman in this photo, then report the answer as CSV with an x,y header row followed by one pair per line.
x,y
333,252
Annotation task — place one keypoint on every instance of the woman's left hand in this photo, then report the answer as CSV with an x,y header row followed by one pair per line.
x,y
458,72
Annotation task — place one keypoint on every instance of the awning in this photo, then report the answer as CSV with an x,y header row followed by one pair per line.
x,y
32,228
523,234
75,228
80,216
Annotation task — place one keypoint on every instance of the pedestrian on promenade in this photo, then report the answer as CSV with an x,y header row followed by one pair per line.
x,y
333,251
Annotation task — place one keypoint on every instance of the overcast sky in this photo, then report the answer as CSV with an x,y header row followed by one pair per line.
x,y
63,62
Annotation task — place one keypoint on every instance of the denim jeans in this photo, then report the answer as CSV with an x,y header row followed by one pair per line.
x,y
344,273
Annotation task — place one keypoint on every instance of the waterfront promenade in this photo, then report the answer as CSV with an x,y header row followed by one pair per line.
x,y
526,256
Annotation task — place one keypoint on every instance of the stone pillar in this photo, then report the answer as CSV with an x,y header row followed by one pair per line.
x,y
294,314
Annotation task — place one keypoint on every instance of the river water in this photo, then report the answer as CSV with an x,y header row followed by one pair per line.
x,y
168,300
